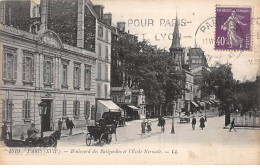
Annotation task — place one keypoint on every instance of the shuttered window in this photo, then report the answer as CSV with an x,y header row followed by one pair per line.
x,y
64,108
106,53
28,67
87,109
48,71
9,68
7,106
76,108
87,82
26,109
77,76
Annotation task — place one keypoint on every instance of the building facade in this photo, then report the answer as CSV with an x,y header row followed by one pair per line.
x,y
40,68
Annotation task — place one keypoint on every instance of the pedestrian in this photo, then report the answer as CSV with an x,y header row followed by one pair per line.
x,y
232,125
59,128
71,126
149,126
143,127
193,122
202,122
162,124
4,132
67,122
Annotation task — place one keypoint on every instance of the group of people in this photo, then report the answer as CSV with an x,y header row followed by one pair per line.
x,y
146,124
202,122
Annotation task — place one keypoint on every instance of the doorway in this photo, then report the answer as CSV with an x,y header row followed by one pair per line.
x,y
46,119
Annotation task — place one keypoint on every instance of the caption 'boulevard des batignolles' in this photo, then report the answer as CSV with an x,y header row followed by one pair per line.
x,y
66,67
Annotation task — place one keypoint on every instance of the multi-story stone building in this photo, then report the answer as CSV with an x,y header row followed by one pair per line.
x,y
41,63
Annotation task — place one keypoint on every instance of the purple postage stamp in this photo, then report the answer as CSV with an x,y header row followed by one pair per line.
x,y
233,28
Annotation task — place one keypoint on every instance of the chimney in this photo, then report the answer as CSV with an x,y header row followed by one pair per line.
x,y
80,24
43,15
99,10
121,26
108,18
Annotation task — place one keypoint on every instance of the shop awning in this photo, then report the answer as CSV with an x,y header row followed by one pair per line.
x,y
108,105
202,103
212,101
133,107
195,104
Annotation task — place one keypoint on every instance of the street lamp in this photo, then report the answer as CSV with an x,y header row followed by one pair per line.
x,y
42,111
173,109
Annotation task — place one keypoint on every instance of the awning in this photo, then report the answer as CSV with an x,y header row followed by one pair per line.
x,y
212,101
133,107
202,103
195,104
108,105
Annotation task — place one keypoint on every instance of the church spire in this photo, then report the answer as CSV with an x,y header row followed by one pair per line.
x,y
176,35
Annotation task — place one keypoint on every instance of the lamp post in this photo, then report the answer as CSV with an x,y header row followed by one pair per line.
x,y
173,109
42,111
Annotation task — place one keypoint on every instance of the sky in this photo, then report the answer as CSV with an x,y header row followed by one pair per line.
x,y
154,20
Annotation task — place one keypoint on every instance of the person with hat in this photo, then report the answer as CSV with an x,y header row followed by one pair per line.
x,y
4,131
32,133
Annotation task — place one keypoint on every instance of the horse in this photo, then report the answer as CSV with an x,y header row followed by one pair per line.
x,y
51,141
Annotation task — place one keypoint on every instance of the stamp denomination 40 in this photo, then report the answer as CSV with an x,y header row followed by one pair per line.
x,y
233,28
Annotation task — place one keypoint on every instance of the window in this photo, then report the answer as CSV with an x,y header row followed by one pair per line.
x,y
9,64
34,11
106,94
77,72
87,77
64,83
86,109
99,50
76,108
99,90
7,106
106,73
48,71
106,35
2,11
114,98
26,109
64,108
106,53
28,67
100,31
99,70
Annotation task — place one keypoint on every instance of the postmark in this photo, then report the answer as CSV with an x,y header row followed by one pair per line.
x,y
233,28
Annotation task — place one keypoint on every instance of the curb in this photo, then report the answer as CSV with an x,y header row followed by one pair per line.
x,y
63,136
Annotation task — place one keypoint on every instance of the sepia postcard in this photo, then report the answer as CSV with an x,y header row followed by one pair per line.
x,y
130,82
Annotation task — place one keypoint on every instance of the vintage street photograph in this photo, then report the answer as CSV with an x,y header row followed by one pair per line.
x,y
130,82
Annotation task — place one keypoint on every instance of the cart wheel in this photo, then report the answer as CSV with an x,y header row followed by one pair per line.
x,y
109,138
102,140
88,139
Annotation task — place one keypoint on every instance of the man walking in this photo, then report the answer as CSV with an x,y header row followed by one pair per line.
x,y
59,128
202,122
193,122
232,125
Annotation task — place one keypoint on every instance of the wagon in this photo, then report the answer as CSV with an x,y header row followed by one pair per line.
x,y
96,134
14,143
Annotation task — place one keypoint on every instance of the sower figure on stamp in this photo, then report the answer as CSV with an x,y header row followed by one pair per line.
x,y
231,25
232,125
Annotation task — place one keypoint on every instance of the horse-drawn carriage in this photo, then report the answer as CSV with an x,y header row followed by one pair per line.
x,y
100,135
47,141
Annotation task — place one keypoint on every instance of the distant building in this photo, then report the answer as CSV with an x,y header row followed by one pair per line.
x,y
199,67
178,53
